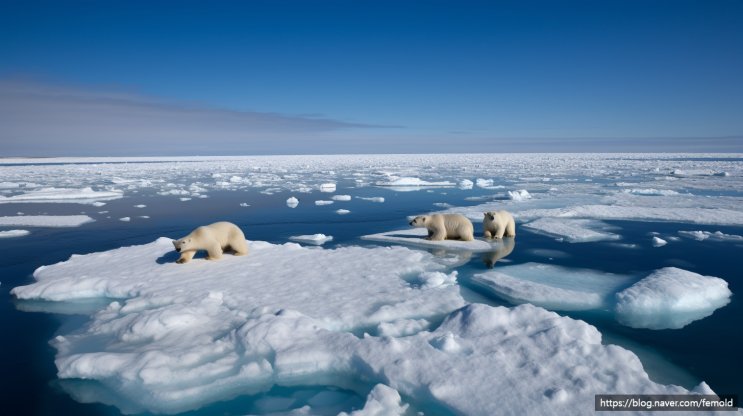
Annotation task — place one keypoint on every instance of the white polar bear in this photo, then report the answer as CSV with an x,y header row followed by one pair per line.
x,y
215,239
497,224
445,226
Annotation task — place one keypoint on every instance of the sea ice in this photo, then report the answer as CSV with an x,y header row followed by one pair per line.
x,y
372,199
323,202
553,287
382,401
341,197
671,298
124,219
657,192
46,220
292,202
484,183
572,230
658,242
327,187
244,204
343,211
465,184
140,206
13,233
519,195
416,237
80,196
98,204
415,182
402,327
185,199
312,239
716,236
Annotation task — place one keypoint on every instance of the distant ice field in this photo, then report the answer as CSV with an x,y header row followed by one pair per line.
x,y
580,302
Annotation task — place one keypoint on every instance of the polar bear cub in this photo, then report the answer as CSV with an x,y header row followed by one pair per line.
x,y
215,239
497,224
445,226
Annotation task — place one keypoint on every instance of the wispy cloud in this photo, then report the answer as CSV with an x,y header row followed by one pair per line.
x,y
40,119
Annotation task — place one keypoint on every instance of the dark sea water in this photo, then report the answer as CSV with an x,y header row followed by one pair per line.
x,y
708,349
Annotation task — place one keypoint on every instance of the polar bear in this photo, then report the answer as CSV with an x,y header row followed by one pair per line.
x,y
445,226
497,224
215,239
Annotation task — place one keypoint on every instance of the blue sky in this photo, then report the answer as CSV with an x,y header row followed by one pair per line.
x,y
137,78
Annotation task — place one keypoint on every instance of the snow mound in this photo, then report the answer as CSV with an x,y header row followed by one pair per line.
x,y
13,233
341,197
716,236
659,242
573,231
46,220
416,237
49,195
519,195
553,287
413,182
671,298
312,239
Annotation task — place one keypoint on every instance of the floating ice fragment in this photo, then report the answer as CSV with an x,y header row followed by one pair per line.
x,y
46,220
243,204
428,280
415,182
140,206
185,199
341,197
416,237
323,202
327,187
382,401
343,211
124,219
144,216
465,184
312,239
573,231
236,179
292,202
372,199
13,233
484,183
658,242
671,298
716,236
519,195
47,195
650,191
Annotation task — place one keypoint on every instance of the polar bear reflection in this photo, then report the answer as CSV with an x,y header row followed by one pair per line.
x,y
502,249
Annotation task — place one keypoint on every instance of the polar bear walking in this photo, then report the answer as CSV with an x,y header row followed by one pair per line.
x,y
445,226
215,239
497,224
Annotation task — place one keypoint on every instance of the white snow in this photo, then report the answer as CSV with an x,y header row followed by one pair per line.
x,y
715,216
716,236
372,199
671,298
292,202
80,196
381,401
312,239
13,233
484,183
650,191
416,237
343,211
415,182
519,195
125,219
659,242
553,287
323,202
341,197
46,220
402,327
571,230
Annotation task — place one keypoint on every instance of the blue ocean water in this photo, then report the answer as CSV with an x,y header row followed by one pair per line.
x,y
703,350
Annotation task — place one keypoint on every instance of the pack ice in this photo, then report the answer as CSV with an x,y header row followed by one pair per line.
x,y
79,196
183,336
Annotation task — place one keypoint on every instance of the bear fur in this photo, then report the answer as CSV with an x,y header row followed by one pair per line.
x,y
498,224
215,239
445,226
502,249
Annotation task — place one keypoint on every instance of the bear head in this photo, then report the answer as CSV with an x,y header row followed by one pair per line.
x,y
419,221
182,244
490,215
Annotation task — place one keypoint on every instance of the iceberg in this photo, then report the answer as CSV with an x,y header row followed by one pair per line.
x,y
343,211
671,298
465,184
327,187
659,242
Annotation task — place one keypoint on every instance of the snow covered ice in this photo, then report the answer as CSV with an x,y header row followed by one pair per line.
x,y
46,220
79,196
13,233
416,237
573,231
312,239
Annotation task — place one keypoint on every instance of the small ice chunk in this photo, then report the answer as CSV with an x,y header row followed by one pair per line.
x,y
382,401
658,242
144,216
312,239
671,298
323,202
185,199
244,204
341,197
402,327
140,206
465,184
416,237
372,199
716,236
236,179
80,196
13,233
484,183
125,219
572,230
650,191
343,211
413,182
216,175
519,195
292,202
98,204
429,280
327,187
46,220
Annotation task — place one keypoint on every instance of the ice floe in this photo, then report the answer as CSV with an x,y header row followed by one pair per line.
x,y
13,233
125,219
519,195
190,335
372,199
573,230
46,220
413,182
343,211
341,197
659,242
140,206
292,202
244,204
716,236
312,239
327,187
671,298
79,196
651,191
323,202
465,184
417,237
